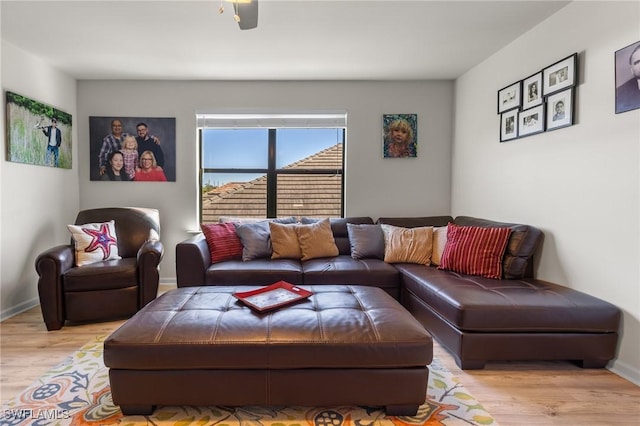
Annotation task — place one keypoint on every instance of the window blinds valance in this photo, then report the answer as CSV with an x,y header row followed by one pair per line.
x,y
280,120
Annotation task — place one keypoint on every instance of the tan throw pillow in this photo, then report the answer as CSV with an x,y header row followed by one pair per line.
x,y
316,240
439,241
284,241
408,245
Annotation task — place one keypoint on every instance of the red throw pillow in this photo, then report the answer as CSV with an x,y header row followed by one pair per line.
x,y
475,250
223,242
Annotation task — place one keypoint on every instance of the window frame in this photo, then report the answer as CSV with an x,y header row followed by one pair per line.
x,y
271,172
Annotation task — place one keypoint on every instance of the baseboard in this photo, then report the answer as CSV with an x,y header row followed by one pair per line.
x,y
169,281
626,371
25,306
18,309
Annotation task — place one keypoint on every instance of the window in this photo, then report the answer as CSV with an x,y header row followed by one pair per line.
x,y
271,165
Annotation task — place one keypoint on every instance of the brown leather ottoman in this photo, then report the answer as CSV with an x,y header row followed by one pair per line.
x,y
345,345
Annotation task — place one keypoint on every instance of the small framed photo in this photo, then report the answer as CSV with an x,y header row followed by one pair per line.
x,y
509,97
560,109
400,135
560,75
532,91
509,125
627,62
531,121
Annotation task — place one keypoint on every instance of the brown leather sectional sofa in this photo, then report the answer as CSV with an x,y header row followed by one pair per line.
x,y
477,319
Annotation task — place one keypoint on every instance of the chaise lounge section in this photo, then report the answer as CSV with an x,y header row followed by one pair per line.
x,y
477,319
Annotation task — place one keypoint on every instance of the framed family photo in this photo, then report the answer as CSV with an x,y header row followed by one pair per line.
x,y
509,125
132,149
531,121
509,97
37,133
560,107
627,68
560,75
400,135
532,91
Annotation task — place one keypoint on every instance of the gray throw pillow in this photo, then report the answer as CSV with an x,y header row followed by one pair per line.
x,y
256,238
367,241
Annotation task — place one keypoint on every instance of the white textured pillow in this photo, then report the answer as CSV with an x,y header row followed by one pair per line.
x,y
439,241
94,242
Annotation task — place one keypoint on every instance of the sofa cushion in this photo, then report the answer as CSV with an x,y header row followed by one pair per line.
x,y
94,242
254,272
284,241
478,304
316,240
523,242
475,250
407,245
344,269
222,240
367,241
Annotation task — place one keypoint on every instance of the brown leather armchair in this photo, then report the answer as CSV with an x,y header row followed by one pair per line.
x,y
108,289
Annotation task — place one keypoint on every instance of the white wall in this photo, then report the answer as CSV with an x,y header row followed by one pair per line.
x,y
374,186
36,201
579,184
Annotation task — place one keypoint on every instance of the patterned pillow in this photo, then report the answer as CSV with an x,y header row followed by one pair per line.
x,y
475,250
94,242
407,245
223,241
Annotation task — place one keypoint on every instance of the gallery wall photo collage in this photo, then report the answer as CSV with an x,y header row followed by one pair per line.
x,y
544,101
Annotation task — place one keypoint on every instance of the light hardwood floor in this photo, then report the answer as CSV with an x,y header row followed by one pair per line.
x,y
540,393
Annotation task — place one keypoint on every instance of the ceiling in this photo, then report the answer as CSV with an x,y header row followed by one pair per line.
x,y
295,39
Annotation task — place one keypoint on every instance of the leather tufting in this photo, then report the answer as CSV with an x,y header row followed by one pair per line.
x,y
208,328
482,304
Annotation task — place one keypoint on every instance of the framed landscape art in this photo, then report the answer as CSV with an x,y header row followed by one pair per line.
x,y
37,133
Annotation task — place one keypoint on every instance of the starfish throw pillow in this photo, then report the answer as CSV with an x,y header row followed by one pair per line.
x,y
94,242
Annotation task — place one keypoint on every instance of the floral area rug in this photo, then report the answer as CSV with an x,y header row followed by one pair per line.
x,y
77,392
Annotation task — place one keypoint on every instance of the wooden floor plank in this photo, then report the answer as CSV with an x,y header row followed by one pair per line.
x,y
517,393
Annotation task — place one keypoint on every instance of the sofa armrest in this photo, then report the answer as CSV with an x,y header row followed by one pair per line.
x,y
192,261
148,258
50,266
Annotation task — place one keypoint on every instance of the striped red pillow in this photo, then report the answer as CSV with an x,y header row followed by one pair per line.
x,y
474,250
223,242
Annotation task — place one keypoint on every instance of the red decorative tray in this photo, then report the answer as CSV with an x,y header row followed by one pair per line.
x,y
273,296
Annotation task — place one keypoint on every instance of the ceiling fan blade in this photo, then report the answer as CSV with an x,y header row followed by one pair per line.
x,y
248,13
